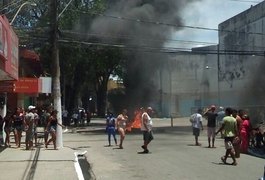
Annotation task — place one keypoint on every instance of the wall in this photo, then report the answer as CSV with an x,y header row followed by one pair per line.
x,y
235,74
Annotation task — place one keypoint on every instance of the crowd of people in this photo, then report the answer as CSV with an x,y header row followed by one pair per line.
x,y
235,127
27,121
79,117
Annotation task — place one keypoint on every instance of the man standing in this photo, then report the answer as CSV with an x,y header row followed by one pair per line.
x,y
29,127
35,124
146,128
196,121
230,131
211,115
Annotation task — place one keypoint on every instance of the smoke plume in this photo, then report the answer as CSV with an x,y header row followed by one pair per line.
x,y
131,23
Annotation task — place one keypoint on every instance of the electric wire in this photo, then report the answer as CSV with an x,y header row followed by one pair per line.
x,y
10,4
159,23
164,49
132,37
15,4
124,37
156,23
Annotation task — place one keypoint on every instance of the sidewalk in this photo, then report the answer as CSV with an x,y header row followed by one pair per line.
x,y
40,163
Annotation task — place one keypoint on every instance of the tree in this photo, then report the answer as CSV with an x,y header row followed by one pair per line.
x,y
84,68
106,63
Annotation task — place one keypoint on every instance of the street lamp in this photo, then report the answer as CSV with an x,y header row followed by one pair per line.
x,y
25,3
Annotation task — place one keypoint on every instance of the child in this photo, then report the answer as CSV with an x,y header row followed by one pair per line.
x,y
110,127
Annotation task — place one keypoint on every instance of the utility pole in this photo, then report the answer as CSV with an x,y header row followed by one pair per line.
x,y
56,90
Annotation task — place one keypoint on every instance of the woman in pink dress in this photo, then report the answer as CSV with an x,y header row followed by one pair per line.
x,y
244,133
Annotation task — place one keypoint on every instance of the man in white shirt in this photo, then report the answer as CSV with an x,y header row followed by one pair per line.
x,y
196,121
146,128
29,128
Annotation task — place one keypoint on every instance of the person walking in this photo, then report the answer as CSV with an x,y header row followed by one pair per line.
x,y
46,116
121,126
237,140
196,121
146,128
211,115
110,128
19,123
52,127
230,131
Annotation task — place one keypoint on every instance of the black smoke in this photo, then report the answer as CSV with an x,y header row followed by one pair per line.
x,y
131,23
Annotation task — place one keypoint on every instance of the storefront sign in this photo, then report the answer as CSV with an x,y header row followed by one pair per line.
x,y
27,85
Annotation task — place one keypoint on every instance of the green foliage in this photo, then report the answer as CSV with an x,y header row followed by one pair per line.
x,y
83,67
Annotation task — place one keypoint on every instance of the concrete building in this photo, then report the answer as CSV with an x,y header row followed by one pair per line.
x,y
185,82
228,74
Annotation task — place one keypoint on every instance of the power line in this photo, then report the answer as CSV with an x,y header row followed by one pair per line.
x,y
166,49
131,37
10,5
163,23
92,41
152,49
110,36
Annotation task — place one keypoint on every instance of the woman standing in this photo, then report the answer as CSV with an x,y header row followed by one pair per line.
x,y
8,120
51,128
244,134
19,122
121,125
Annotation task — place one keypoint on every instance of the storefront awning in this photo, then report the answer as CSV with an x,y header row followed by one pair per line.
x,y
28,54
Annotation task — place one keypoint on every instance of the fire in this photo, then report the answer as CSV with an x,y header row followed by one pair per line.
x,y
136,122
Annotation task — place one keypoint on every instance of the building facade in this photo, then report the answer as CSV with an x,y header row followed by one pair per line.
x,y
228,74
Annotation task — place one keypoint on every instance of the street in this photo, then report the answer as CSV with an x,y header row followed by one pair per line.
x,y
173,155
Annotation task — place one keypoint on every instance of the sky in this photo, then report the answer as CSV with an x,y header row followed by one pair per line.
x,y
208,14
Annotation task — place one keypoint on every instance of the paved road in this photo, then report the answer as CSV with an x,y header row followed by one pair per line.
x,y
173,155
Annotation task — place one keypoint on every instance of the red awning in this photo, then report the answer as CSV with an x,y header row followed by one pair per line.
x,y
28,54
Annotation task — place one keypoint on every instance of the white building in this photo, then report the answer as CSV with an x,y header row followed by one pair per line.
x,y
230,74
